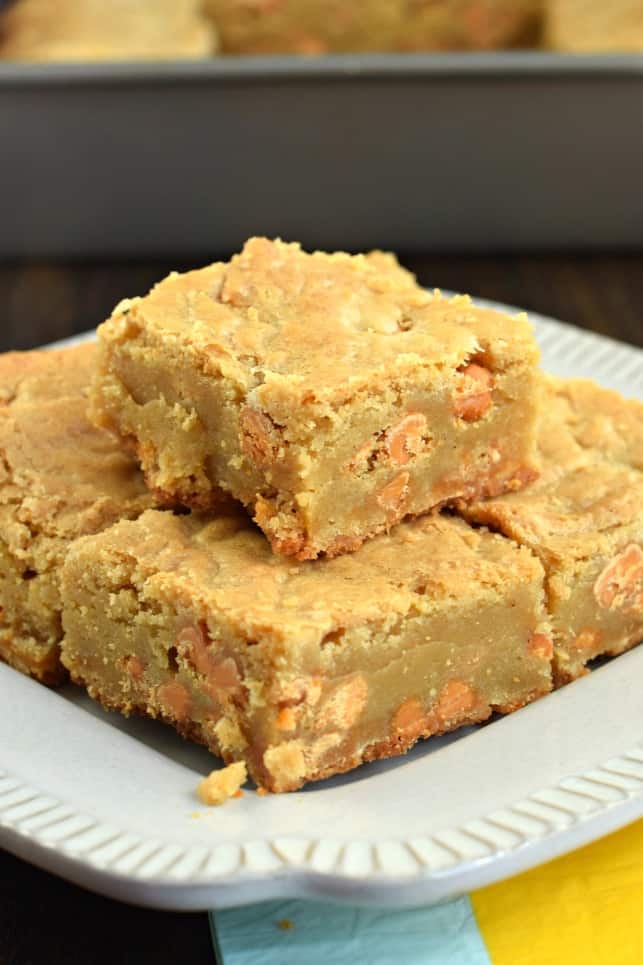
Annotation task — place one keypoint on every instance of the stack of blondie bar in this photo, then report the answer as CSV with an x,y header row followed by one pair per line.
x,y
362,515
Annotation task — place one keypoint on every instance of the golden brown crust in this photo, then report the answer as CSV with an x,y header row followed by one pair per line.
x,y
398,744
32,658
188,729
565,672
210,502
401,743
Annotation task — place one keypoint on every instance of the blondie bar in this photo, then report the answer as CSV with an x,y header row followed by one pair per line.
x,y
90,30
584,519
59,478
303,670
584,26
325,26
329,393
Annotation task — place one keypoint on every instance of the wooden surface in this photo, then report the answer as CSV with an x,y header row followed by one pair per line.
x,y
45,920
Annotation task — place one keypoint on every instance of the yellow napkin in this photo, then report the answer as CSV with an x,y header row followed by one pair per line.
x,y
584,908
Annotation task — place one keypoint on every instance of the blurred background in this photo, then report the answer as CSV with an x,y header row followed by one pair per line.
x,y
43,301
496,145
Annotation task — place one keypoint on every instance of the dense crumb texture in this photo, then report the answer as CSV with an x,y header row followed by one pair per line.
x,y
584,519
60,478
88,30
585,26
325,26
219,786
329,393
303,670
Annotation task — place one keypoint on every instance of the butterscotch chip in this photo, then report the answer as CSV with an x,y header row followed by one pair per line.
x,y
474,395
305,670
409,720
194,639
407,438
620,585
60,478
174,700
219,786
258,437
454,705
328,393
455,700
286,719
224,676
584,520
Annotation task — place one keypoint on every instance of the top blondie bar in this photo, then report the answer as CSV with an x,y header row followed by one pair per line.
x,y
329,393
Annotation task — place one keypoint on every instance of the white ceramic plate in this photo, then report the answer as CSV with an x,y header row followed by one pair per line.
x,y
110,803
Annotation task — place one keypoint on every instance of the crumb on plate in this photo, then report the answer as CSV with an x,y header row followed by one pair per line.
x,y
217,787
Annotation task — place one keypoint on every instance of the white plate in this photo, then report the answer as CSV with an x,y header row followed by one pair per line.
x,y
110,804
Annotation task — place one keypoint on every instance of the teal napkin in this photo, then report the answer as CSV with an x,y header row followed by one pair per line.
x,y
316,933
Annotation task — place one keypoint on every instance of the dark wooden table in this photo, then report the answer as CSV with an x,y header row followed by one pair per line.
x,y
43,302
45,921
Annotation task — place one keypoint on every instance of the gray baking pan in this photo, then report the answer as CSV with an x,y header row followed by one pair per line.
x,y
445,152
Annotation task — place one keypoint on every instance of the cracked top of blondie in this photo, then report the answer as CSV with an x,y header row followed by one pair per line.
x,y
313,325
59,475
223,565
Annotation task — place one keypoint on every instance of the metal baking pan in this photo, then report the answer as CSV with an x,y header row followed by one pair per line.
x,y
445,152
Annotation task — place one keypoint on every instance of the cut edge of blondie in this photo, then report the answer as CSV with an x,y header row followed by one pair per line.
x,y
339,697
